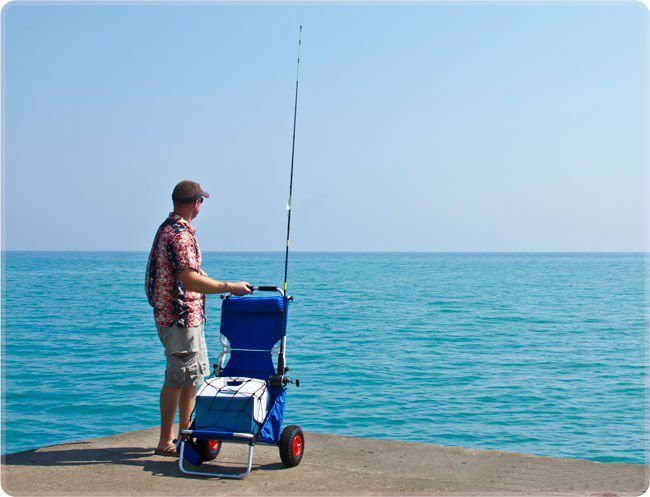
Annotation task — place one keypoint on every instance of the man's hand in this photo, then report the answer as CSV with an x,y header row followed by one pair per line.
x,y
240,288
194,281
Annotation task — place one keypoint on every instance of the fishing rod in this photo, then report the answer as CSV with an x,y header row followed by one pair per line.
x,y
280,379
282,369
293,148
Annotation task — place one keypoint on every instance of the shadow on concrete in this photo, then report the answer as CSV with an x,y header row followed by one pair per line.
x,y
219,465
132,456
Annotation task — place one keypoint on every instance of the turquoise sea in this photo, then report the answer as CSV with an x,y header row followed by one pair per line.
x,y
534,353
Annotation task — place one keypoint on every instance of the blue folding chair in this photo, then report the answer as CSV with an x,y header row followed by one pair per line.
x,y
243,400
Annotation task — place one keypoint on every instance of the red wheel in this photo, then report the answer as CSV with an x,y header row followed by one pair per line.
x,y
209,449
296,446
292,446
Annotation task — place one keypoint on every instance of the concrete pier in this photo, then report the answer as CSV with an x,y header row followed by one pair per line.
x,y
332,465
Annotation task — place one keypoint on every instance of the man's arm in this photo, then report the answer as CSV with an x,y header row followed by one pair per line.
x,y
195,282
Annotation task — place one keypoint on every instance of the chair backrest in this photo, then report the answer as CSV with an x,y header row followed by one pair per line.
x,y
252,325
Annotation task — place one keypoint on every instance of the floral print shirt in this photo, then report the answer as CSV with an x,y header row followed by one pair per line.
x,y
174,249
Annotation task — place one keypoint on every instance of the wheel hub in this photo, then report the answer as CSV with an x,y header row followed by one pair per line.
x,y
297,446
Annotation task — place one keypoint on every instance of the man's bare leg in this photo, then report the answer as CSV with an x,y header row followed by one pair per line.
x,y
169,399
186,406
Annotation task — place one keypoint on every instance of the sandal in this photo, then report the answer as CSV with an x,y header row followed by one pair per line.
x,y
169,451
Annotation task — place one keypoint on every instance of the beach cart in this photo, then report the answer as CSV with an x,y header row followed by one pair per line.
x,y
243,400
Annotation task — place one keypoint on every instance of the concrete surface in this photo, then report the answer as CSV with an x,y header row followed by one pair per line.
x,y
332,465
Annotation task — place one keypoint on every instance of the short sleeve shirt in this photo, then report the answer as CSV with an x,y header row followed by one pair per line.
x,y
174,249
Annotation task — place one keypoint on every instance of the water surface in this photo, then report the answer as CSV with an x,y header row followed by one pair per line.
x,y
533,353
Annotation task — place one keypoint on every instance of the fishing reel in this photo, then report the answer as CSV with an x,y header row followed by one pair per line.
x,y
282,380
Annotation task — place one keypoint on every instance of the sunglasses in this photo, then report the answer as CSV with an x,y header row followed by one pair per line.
x,y
201,200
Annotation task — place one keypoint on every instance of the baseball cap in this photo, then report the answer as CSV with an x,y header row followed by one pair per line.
x,y
188,191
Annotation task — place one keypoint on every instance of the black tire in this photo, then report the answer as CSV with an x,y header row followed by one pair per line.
x,y
292,446
209,449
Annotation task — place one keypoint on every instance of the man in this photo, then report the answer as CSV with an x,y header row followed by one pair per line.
x,y
176,287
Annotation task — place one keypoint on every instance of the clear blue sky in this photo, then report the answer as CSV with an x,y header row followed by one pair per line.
x,y
476,127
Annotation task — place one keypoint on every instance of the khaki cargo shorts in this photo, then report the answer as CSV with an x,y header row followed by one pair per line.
x,y
187,355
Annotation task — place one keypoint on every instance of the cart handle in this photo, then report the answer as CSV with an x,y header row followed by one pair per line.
x,y
263,289
268,289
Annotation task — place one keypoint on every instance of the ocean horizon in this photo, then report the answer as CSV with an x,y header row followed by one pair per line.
x,y
533,352
561,252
